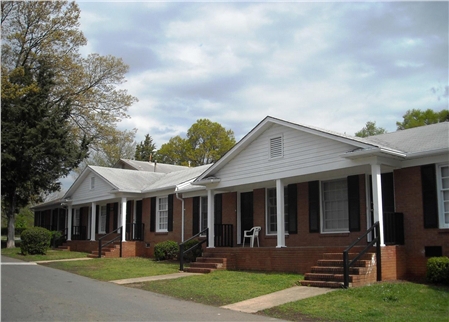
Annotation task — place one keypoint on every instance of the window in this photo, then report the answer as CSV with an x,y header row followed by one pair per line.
x,y
272,210
276,147
162,214
203,213
335,205
76,218
102,221
92,183
443,195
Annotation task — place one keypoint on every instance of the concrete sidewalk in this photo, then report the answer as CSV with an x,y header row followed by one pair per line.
x,y
254,305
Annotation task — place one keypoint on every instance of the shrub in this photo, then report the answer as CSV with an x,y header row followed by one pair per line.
x,y
168,249
35,240
438,270
192,255
57,238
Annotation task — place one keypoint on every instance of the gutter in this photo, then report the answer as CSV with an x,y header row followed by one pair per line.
x,y
182,214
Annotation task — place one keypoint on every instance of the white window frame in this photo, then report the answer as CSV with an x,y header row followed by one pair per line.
x,y
273,216
102,219
203,213
327,205
162,214
443,196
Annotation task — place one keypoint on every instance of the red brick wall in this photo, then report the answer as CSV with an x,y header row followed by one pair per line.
x,y
408,200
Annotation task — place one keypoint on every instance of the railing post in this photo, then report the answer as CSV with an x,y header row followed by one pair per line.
x,y
345,269
378,255
121,240
99,248
181,257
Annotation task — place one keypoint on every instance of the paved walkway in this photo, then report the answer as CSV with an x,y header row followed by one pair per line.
x,y
254,305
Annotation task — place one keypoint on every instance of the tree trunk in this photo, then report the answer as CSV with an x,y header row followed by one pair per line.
x,y
11,213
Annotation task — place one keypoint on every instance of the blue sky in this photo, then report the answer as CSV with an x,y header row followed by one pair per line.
x,y
334,65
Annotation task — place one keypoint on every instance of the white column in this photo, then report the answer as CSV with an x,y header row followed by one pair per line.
x,y
210,217
280,218
377,199
123,220
69,222
92,221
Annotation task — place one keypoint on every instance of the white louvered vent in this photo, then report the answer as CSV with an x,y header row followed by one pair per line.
x,y
276,147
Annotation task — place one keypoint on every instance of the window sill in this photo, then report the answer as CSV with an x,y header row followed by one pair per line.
x,y
335,234
162,233
443,230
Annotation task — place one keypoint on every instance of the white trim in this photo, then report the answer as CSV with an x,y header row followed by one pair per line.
x,y
158,215
442,224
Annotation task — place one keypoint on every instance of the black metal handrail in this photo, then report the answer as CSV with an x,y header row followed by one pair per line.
x,y
376,240
181,246
100,245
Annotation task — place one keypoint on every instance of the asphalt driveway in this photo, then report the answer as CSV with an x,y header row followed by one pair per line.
x,y
32,292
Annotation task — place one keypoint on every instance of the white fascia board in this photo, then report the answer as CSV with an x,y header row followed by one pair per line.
x,y
373,152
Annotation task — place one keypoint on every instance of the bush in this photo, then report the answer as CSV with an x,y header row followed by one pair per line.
x,y
35,240
192,255
438,270
57,238
168,249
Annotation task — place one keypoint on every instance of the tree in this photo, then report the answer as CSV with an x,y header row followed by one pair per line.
x,y
38,146
416,117
33,31
174,152
119,144
370,129
206,142
145,149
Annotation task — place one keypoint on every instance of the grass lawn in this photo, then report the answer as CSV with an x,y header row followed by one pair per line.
x,y
222,287
51,255
109,269
398,301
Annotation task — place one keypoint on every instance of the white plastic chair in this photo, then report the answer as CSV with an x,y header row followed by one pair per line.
x,y
252,234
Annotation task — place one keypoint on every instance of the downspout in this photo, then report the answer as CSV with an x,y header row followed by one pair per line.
x,y
182,215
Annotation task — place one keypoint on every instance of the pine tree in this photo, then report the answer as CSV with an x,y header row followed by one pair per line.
x,y
145,149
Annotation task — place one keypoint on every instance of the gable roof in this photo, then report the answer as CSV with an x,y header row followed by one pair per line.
x,y
358,143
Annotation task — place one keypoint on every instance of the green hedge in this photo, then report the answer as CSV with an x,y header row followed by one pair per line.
x,y
35,240
168,249
438,270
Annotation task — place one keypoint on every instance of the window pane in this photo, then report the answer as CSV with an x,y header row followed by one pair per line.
x,y
163,213
272,210
335,205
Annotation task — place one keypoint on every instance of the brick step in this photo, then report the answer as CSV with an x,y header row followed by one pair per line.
x,y
64,248
327,284
339,256
337,263
331,277
339,270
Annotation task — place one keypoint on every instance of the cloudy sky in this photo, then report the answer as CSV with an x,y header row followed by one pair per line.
x,y
333,65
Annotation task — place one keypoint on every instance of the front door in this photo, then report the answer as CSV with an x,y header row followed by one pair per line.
x,y
246,207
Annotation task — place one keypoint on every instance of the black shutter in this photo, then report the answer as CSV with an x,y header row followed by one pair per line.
x,y
196,216
108,213
115,218
218,209
292,208
353,203
314,206
387,192
153,214
170,213
429,196
139,212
